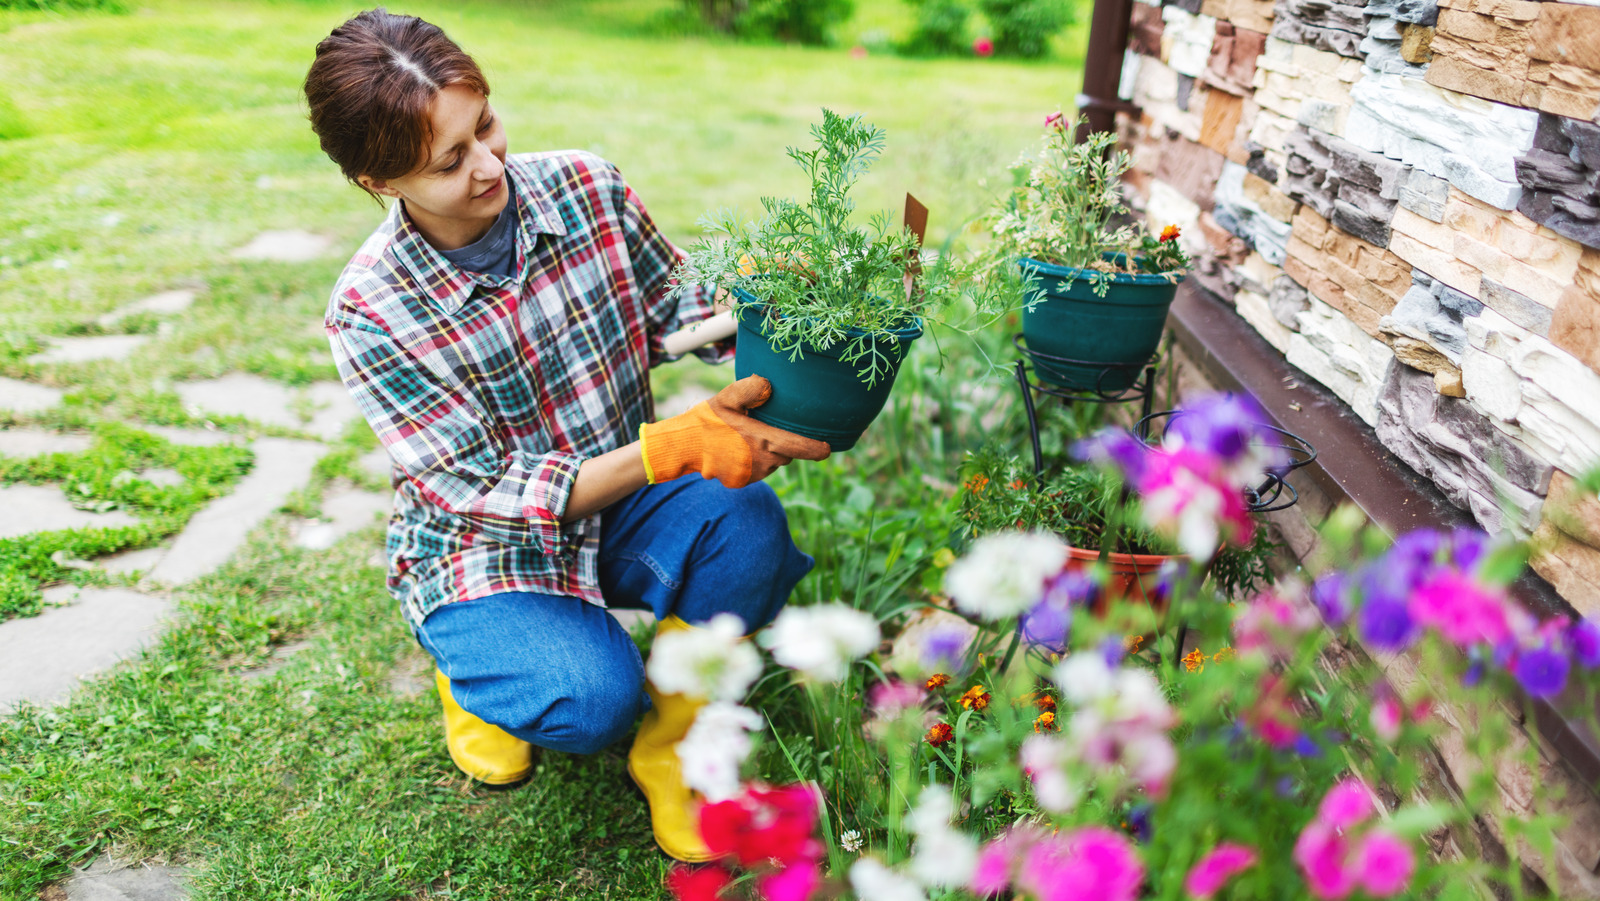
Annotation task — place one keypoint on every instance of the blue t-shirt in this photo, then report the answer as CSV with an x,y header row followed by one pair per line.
x,y
494,253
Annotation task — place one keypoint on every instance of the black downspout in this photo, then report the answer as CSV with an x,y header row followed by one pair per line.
x,y
1102,68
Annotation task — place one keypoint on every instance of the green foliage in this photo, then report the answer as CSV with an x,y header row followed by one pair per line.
x,y
816,277
800,21
106,477
1062,209
1024,27
941,29
110,6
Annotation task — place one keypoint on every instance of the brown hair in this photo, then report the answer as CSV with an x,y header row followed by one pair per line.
x,y
370,86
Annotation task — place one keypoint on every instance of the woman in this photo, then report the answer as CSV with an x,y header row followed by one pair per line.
x,y
497,331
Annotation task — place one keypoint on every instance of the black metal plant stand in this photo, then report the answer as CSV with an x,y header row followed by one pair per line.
x,y
1142,389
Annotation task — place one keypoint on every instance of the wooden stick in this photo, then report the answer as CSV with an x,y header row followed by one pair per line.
x,y
706,331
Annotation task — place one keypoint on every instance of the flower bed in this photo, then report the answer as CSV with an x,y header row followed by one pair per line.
x,y
1026,749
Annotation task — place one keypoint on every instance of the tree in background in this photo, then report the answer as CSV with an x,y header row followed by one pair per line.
x,y
941,28
801,21
1024,27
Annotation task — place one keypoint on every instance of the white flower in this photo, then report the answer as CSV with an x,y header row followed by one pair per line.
x,y
873,881
716,747
706,662
821,640
1084,678
1004,574
943,856
1045,758
850,840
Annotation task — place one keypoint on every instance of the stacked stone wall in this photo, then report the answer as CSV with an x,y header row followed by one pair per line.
x,y
1403,198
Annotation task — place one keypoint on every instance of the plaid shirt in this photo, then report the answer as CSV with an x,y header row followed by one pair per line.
x,y
489,392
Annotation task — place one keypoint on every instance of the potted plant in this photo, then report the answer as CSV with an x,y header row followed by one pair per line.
x,y
827,307
1098,291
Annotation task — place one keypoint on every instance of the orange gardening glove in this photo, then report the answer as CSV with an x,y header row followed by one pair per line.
x,y
717,439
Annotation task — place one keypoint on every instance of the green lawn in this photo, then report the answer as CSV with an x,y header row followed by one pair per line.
x,y
137,150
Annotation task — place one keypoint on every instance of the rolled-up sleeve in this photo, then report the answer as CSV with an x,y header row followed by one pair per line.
x,y
439,440
654,258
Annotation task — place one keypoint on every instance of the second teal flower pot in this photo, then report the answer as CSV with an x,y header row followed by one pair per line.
x,y
817,395
1100,343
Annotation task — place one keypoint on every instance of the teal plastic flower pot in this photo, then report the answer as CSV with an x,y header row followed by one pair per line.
x,y
1097,343
817,394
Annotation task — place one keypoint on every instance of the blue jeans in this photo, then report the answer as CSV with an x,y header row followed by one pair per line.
x,y
563,674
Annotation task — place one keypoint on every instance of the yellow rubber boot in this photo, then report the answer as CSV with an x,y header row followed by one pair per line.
x,y
483,751
653,764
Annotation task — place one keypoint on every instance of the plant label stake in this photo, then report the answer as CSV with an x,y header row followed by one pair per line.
x,y
916,219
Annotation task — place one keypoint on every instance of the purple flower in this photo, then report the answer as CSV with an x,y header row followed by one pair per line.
x,y
1542,670
1114,447
1224,425
1385,623
1138,822
1306,747
1468,547
1475,669
1069,587
1413,558
1047,625
1585,638
1285,787
944,651
1329,595
1113,651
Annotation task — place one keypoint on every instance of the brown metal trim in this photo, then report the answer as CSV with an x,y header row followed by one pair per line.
x,y
1102,68
1352,465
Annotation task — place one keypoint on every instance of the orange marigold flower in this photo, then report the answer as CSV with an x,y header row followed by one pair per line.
x,y
1018,485
1224,654
1046,722
975,698
1170,233
1045,701
1194,661
1132,642
977,483
937,681
940,734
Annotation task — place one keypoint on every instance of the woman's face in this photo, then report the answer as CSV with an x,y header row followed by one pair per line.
x,y
459,189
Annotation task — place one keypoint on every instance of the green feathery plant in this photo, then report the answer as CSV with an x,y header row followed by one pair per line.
x,y
816,277
1063,210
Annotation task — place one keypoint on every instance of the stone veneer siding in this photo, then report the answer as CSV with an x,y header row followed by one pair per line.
x,y
1403,198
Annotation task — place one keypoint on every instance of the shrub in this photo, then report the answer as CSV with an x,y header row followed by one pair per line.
x,y
1024,27
941,28
802,21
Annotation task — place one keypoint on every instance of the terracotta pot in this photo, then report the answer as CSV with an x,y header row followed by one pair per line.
x,y
1133,578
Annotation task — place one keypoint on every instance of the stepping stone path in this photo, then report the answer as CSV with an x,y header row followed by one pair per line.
x,y
43,657
86,350
33,442
346,511
44,508
26,397
167,303
273,403
291,246
108,880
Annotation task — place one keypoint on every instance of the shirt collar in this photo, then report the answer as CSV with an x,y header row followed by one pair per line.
x,y
447,285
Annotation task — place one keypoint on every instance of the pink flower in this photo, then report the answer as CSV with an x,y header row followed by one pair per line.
x,y
1273,624
983,47
1273,716
858,52
1057,119
1223,863
1321,853
1387,716
1385,864
795,882
1345,805
1187,496
1462,610
998,860
1093,862
895,696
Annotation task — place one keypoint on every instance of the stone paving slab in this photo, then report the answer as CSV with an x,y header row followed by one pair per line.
x,y
284,246
377,462
273,403
44,508
346,511
129,562
43,657
107,880
26,397
33,442
282,466
166,303
194,437
85,350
